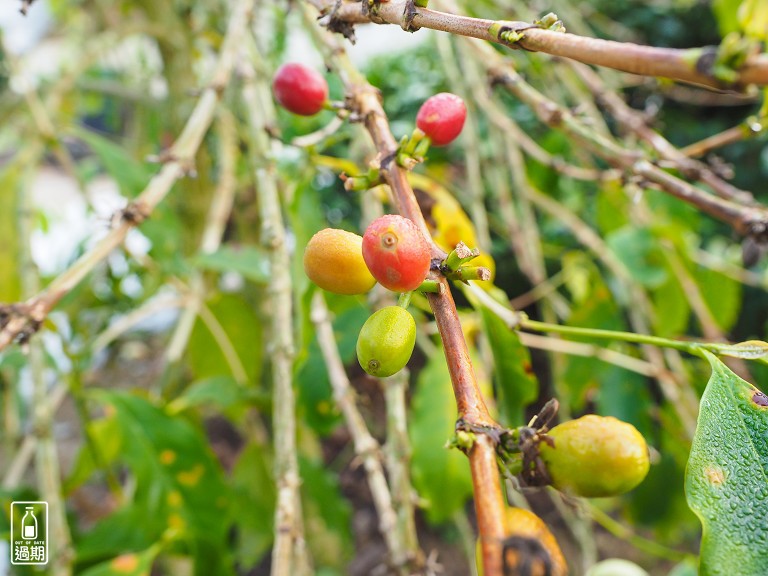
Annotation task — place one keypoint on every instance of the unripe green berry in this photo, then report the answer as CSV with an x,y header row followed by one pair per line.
x,y
386,341
595,456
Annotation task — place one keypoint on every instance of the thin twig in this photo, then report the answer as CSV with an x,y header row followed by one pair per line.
x,y
724,138
634,121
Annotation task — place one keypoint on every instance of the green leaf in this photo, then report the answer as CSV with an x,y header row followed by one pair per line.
x,y
10,283
441,475
243,329
516,384
685,568
637,249
249,261
671,308
130,174
220,391
254,491
727,477
315,396
612,207
327,514
129,564
179,485
104,432
726,13
722,295
624,395
749,350
582,374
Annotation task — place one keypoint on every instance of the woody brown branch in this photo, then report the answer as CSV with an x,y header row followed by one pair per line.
x,y
687,65
365,103
489,501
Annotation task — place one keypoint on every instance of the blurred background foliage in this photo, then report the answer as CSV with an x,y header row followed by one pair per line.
x,y
169,457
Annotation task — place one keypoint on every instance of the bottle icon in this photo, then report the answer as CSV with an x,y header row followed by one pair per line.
x,y
29,525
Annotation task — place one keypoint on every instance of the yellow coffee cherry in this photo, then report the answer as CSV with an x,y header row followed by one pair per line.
x,y
596,456
333,259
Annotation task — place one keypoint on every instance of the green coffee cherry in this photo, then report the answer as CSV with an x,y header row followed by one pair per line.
x,y
386,341
616,567
595,456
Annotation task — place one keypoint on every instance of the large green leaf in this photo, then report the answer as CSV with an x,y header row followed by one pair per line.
x,y
242,327
179,487
727,477
129,564
440,475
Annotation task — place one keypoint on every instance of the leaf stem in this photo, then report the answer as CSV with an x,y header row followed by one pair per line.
x,y
536,326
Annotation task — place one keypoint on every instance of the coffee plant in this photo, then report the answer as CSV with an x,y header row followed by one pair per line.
x,y
380,287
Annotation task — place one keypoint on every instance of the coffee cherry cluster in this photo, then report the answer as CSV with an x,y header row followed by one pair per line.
x,y
393,252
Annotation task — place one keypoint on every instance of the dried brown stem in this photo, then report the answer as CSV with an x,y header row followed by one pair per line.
x,y
688,65
746,220
634,121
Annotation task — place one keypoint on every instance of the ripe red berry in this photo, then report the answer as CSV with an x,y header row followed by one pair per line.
x,y
300,89
396,253
442,117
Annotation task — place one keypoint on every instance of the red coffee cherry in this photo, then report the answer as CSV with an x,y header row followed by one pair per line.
x,y
442,117
300,89
396,253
